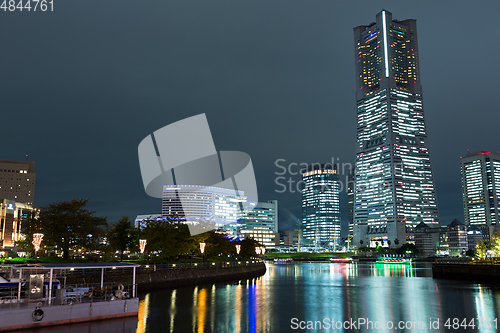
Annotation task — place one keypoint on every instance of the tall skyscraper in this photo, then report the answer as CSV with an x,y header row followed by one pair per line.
x,y
481,190
17,181
321,205
394,185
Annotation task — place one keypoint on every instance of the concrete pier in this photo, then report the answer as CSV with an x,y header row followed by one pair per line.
x,y
467,271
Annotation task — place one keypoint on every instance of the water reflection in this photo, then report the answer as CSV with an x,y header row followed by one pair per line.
x,y
310,292
315,291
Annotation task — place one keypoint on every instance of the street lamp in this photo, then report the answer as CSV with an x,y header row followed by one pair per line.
x,y
202,247
37,240
263,250
142,244
238,249
257,250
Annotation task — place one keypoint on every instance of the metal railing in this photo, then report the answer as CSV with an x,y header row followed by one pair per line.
x,y
70,294
200,265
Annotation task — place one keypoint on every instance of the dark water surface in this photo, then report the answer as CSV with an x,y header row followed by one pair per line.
x,y
321,295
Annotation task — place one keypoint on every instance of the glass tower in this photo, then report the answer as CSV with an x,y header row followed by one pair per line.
x,y
394,185
321,205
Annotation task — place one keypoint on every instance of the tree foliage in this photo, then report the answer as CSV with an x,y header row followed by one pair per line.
x,y
486,249
30,226
67,225
122,236
169,237
408,247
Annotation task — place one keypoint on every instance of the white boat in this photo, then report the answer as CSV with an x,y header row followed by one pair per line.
x,y
33,296
283,261
340,260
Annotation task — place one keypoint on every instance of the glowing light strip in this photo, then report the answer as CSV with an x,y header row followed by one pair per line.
x,y
385,45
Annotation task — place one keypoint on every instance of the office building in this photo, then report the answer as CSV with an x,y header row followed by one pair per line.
x,y
290,237
481,190
203,203
457,238
321,206
350,203
12,215
474,236
259,223
427,239
17,181
141,220
394,185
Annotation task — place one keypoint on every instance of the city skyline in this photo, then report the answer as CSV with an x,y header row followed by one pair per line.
x,y
290,73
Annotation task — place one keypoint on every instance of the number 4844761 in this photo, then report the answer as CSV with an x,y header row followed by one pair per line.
x,y
27,5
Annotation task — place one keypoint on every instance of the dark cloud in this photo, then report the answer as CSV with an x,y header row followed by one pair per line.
x,y
82,86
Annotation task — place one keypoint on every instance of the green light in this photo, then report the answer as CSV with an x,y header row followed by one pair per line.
x,y
398,32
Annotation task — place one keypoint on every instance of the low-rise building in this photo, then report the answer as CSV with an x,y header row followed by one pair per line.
x,y
426,238
12,215
457,238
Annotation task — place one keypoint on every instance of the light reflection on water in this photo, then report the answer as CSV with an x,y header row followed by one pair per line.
x,y
314,291
311,292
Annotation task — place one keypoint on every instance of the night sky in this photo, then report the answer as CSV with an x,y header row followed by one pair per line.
x,y
81,86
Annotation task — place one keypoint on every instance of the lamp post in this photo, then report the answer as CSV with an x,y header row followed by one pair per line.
x,y
238,249
263,250
202,247
37,240
257,250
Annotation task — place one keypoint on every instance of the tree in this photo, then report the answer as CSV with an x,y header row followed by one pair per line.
x,y
169,237
361,242
248,246
68,225
470,253
396,241
217,244
122,236
389,243
482,249
408,248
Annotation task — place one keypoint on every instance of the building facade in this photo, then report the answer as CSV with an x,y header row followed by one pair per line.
x,y
457,238
203,203
321,205
394,184
12,215
17,181
259,223
350,203
427,239
481,190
